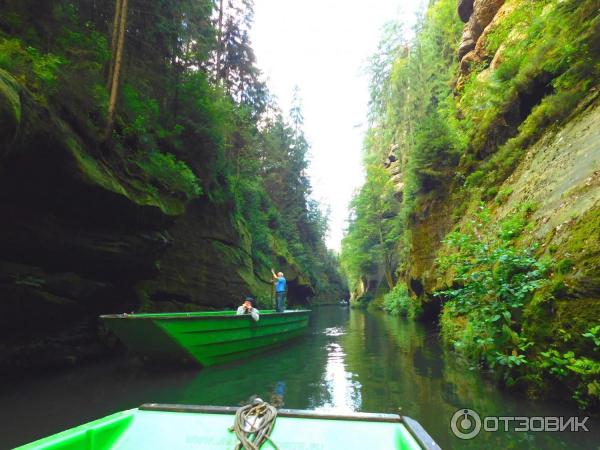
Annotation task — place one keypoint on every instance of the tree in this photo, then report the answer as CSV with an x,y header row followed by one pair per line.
x,y
374,230
118,43
233,61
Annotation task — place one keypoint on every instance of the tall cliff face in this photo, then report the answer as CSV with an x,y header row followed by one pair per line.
x,y
557,173
80,236
560,175
536,144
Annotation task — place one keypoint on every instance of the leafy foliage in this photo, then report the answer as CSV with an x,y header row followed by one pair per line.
x,y
412,120
369,246
193,116
170,173
494,280
38,71
581,372
397,301
544,69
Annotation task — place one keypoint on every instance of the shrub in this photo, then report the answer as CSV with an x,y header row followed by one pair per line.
x,y
398,301
494,280
170,173
38,71
582,374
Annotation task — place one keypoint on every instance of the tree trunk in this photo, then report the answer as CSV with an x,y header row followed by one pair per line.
x,y
113,44
112,104
386,257
219,42
388,272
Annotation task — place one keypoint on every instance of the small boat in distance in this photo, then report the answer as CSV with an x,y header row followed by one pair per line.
x,y
204,338
182,427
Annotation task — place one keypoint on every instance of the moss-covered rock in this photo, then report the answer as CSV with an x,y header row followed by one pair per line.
x,y
10,109
553,198
85,232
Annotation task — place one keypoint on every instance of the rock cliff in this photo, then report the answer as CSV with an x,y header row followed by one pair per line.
x,y
558,174
80,236
536,146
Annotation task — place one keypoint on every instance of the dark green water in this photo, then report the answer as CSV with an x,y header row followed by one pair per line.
x,y
349,361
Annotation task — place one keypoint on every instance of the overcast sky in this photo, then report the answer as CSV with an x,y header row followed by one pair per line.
x,y
322,46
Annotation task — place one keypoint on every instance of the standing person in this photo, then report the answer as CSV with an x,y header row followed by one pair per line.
x,y
280,284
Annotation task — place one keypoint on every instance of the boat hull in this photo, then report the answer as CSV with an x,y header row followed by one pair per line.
x,y
182,427
206,338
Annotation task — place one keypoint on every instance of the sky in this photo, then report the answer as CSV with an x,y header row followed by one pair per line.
x,y
323,46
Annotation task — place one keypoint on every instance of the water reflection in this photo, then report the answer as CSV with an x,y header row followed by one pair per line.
x,y
343,391
349,361
334,331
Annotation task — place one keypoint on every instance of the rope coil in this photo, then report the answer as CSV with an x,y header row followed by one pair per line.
x,y
253,425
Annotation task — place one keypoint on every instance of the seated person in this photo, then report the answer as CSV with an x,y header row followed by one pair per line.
x,y
249,307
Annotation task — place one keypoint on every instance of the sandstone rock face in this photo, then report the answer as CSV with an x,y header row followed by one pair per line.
x,y
560,174
70,249
428,229
467,43
482,14
484,11
208,262
397,179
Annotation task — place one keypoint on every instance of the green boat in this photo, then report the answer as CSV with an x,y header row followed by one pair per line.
x,y
181,427
204,338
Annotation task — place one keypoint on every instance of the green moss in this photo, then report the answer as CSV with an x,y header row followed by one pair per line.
x,y
503,195
475,179
10,107
564,266
490,193
558,288
137,191
582,243
545,60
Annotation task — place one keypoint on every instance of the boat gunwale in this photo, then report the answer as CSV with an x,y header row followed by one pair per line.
x,y
297,413
414,428
194,315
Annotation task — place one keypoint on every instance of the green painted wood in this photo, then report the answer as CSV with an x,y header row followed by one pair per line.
x,y
206,338
168,429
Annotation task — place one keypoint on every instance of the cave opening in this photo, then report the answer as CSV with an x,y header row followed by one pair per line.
x,y
540,87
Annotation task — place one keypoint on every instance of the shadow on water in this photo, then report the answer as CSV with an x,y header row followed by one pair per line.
x,y
348,361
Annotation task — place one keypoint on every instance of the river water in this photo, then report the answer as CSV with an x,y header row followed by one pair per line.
x,y
348,361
